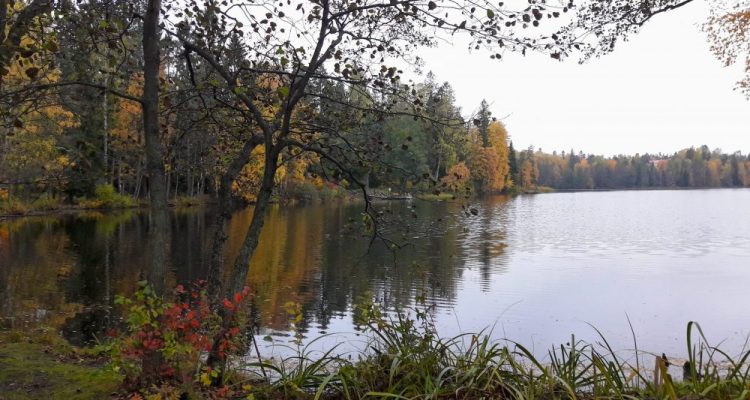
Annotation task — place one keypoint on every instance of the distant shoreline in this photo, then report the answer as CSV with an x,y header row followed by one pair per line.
x,y
643,189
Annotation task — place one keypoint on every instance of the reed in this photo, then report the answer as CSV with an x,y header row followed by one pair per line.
x,y
407,359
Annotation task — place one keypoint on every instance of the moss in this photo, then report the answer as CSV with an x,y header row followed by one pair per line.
x,y
35,371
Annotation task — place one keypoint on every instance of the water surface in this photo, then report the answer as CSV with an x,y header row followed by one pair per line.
x,y
531,268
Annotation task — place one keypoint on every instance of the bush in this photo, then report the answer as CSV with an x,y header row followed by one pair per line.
x,y
167,343
107,197
314,192
46,203
14,207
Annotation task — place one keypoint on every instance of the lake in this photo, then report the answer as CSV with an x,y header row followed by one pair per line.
x,y
533,268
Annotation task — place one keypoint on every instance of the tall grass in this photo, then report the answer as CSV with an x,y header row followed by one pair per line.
x,y
407,359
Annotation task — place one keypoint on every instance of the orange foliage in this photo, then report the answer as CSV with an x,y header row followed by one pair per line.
x,y
457,178
489,165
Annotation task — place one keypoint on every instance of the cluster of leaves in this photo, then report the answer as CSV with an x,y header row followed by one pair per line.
x,y
728,30
166,343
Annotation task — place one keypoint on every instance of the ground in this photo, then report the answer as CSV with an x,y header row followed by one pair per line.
x,y
37,371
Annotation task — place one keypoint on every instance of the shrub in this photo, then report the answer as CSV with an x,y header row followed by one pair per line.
x,y
14,207
46,203
107,197
166,343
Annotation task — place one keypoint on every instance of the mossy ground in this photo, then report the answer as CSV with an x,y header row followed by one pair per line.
x,y
31,369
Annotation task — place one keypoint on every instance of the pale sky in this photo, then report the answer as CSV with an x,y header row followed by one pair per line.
x,y
660,92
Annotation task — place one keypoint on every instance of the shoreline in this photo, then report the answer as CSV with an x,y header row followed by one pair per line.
x,y
72,209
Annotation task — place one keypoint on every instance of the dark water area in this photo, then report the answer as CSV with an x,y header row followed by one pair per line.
x,y
534,269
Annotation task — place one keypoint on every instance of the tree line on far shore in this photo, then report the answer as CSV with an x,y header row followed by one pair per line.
x,y
688,168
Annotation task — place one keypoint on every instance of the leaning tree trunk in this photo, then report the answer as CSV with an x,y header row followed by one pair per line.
x,y
241,263
224,213
158,243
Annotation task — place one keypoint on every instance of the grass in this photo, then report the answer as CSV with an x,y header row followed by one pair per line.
x,y
43,203
437,197
105,198
406,358
517,190
43,366
14,207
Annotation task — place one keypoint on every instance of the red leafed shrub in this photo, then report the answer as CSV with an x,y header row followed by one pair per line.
x,y
167,342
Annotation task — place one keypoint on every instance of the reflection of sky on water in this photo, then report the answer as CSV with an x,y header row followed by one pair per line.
x,y
532,268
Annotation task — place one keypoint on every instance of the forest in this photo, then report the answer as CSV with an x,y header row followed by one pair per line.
x,y
688,168
108,104
88,147
85,146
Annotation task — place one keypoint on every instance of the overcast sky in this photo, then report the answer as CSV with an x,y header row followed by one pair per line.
x,y
660,92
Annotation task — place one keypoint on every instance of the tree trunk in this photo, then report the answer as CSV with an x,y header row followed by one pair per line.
x,y
105,127
159,228
437,171
224,212
216,263
138,179
241,263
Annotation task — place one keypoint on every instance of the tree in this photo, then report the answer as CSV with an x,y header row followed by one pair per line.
x,y
489,165
512,162
529,170
159,230
728,31
482,122
686,168
606,23
349,42
18,21
457,179
445,127
30,127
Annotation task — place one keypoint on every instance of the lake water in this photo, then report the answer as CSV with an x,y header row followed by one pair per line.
x,y
534,269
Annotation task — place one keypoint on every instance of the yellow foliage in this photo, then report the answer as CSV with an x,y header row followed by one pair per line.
x,y
127,116
248,182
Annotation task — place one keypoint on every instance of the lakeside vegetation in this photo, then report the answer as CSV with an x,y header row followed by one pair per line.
x,y
405,358
105,104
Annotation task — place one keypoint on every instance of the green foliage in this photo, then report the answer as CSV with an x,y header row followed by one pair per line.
x,y
107,197
166,343
688,168
14,207
408,359
46,203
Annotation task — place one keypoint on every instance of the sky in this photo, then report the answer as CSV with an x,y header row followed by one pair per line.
x,y
662,91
